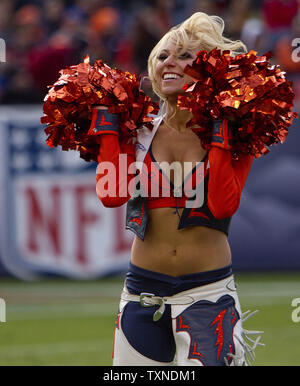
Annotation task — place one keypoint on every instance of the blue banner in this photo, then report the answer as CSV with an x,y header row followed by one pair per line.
x,y
52,221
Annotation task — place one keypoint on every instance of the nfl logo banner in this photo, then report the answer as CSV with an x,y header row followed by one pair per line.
x,y
51,219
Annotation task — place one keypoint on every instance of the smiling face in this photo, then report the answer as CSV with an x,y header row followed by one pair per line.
x,y
169,69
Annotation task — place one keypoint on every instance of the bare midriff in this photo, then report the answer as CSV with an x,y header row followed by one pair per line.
x,y
176,252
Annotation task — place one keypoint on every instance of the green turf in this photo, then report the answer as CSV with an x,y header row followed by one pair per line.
x,y
61,322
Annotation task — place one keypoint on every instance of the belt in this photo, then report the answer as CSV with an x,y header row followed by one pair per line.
x,y
149,300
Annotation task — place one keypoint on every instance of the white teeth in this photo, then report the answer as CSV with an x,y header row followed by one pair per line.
x,y
171,76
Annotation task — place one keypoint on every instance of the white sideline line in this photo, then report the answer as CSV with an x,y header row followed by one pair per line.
x,y
271,294
48,313
269,285
103,289
252,293
62,289
59,311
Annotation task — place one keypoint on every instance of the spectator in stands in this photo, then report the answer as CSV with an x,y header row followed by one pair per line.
x,y
104,34
278,16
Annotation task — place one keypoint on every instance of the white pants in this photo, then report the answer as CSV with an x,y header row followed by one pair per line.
x,y
207,330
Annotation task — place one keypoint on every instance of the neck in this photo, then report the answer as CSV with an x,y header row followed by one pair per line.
x,y
176,118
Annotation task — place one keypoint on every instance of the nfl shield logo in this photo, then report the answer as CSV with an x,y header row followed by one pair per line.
x,y
52,220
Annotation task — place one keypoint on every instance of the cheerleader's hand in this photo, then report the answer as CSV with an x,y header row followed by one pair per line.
x,y
103,122
221,134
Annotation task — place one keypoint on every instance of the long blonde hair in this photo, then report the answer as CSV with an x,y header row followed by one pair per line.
x,y
198,31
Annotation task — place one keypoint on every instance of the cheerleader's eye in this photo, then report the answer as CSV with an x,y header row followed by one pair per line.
x,y
162,57
185,55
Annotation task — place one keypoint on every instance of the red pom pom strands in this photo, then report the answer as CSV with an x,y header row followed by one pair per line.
x,y
69,103
246,89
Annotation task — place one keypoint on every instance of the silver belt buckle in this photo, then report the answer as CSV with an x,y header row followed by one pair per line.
x,y
143,299
158,301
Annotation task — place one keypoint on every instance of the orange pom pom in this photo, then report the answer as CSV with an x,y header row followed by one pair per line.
x,y
69,103
245,88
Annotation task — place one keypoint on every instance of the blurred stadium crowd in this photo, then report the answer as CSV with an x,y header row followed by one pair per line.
x,y
44,36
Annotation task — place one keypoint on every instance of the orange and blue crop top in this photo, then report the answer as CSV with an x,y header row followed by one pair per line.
x,y
224,179
161,191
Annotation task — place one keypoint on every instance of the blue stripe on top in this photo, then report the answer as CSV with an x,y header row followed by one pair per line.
x,y
142,280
